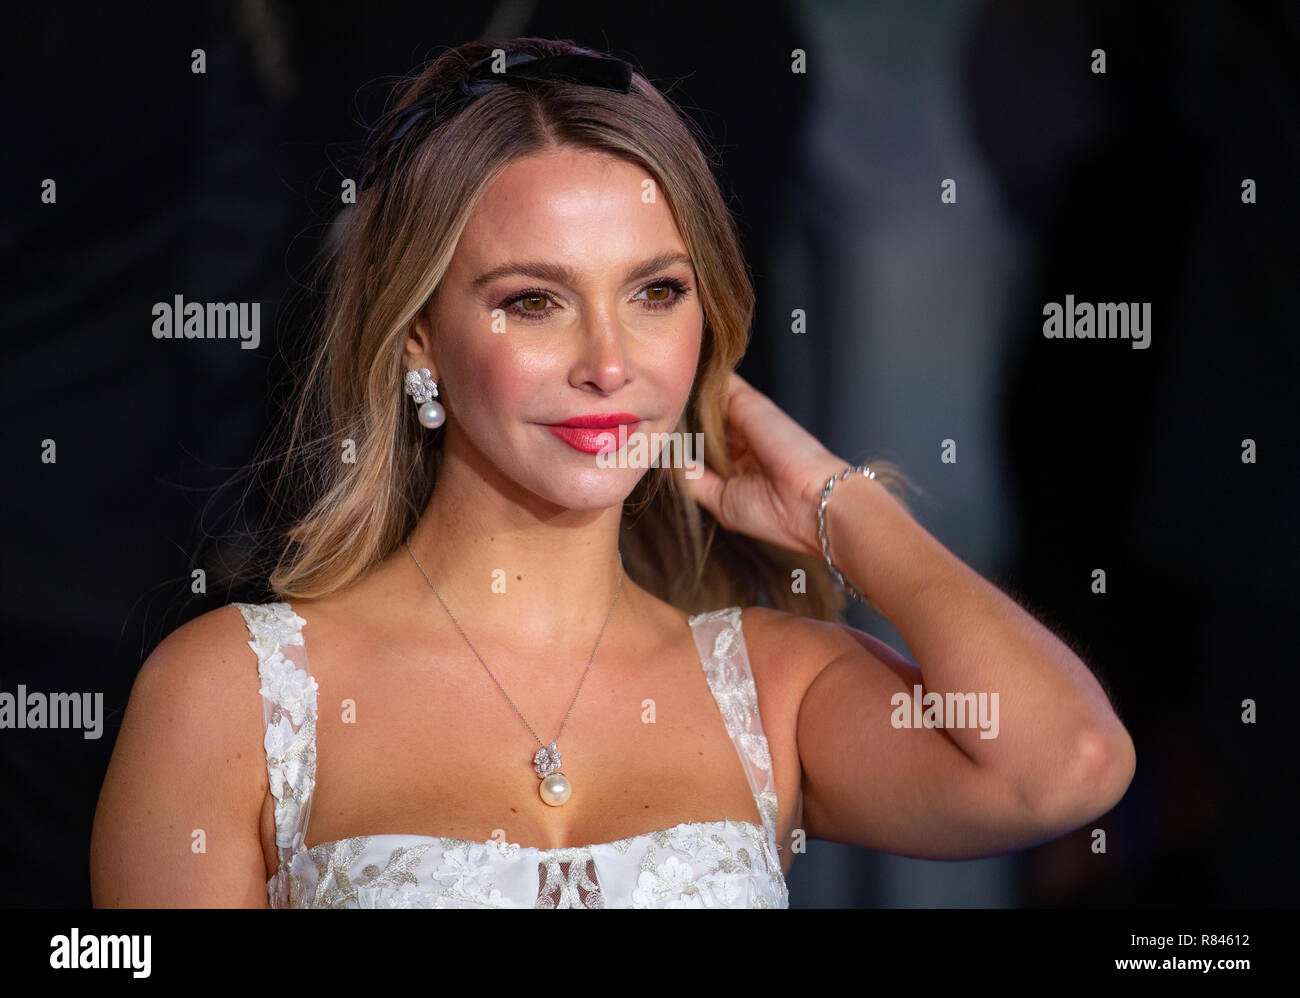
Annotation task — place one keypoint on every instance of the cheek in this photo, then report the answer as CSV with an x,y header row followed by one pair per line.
x,y
680,361
494,380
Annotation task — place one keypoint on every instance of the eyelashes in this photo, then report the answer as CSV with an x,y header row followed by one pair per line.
x,y
679,288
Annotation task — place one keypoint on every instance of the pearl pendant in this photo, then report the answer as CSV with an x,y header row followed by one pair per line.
x,y
432,415
555,789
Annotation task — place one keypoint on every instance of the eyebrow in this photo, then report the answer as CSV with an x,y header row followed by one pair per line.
x,y
560,273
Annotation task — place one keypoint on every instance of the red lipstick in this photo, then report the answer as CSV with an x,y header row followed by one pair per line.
x,y
593,433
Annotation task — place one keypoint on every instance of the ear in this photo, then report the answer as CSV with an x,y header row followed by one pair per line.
x,y
418,348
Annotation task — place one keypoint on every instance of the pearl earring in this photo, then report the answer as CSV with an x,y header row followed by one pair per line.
x,y
421,387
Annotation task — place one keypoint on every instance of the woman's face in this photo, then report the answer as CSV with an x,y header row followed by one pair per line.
x,y
570,295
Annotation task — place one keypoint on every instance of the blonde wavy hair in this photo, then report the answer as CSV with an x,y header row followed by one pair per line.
x,y
391,250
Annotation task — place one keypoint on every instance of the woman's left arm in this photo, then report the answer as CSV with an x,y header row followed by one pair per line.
x,y
1059,742
1060,755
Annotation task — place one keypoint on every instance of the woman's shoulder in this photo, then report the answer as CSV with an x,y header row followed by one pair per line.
x,y
794,650
795,639
203,669
787,651
196,695
208,647
188,754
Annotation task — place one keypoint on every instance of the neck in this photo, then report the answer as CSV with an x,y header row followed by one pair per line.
x,y
531,575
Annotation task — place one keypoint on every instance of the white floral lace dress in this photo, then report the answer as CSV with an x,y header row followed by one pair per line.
x,y
713,864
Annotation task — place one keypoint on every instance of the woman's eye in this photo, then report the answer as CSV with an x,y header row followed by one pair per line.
x,y
663,295
529,305
534,305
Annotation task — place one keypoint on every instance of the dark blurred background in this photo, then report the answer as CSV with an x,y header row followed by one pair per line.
x,y
924,325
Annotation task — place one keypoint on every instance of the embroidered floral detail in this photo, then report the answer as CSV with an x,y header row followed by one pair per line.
x,y
678,883
334,862
398,876
286,766
767,808
755,747
292,688
465,873
289,709
721,644
724,642
704,844
568,880
507,850
670,884
273,625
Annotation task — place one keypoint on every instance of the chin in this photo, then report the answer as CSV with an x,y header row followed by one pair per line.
x,y
596,488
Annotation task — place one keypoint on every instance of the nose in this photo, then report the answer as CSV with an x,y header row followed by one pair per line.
x,y
602,360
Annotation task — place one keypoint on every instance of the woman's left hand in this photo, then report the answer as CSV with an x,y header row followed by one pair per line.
x,y
780,470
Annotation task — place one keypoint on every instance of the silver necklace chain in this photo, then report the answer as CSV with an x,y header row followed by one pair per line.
x,y
618,588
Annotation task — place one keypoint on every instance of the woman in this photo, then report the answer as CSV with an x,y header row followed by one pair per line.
x,y
517,695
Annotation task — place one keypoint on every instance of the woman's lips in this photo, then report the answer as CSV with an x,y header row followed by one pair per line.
x,y
590,439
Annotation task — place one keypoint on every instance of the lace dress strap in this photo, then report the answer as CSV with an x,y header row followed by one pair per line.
x,y
289,712
721,645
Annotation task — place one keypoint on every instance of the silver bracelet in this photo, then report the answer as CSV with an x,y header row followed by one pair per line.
x,y
821,525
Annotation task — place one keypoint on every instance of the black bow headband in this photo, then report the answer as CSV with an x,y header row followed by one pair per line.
x,y
478,79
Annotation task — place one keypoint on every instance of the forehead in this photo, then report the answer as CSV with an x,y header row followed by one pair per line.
x,y
576,203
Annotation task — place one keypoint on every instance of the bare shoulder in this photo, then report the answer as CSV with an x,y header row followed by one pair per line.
x,y
178,816
205,669
789,652
199,690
